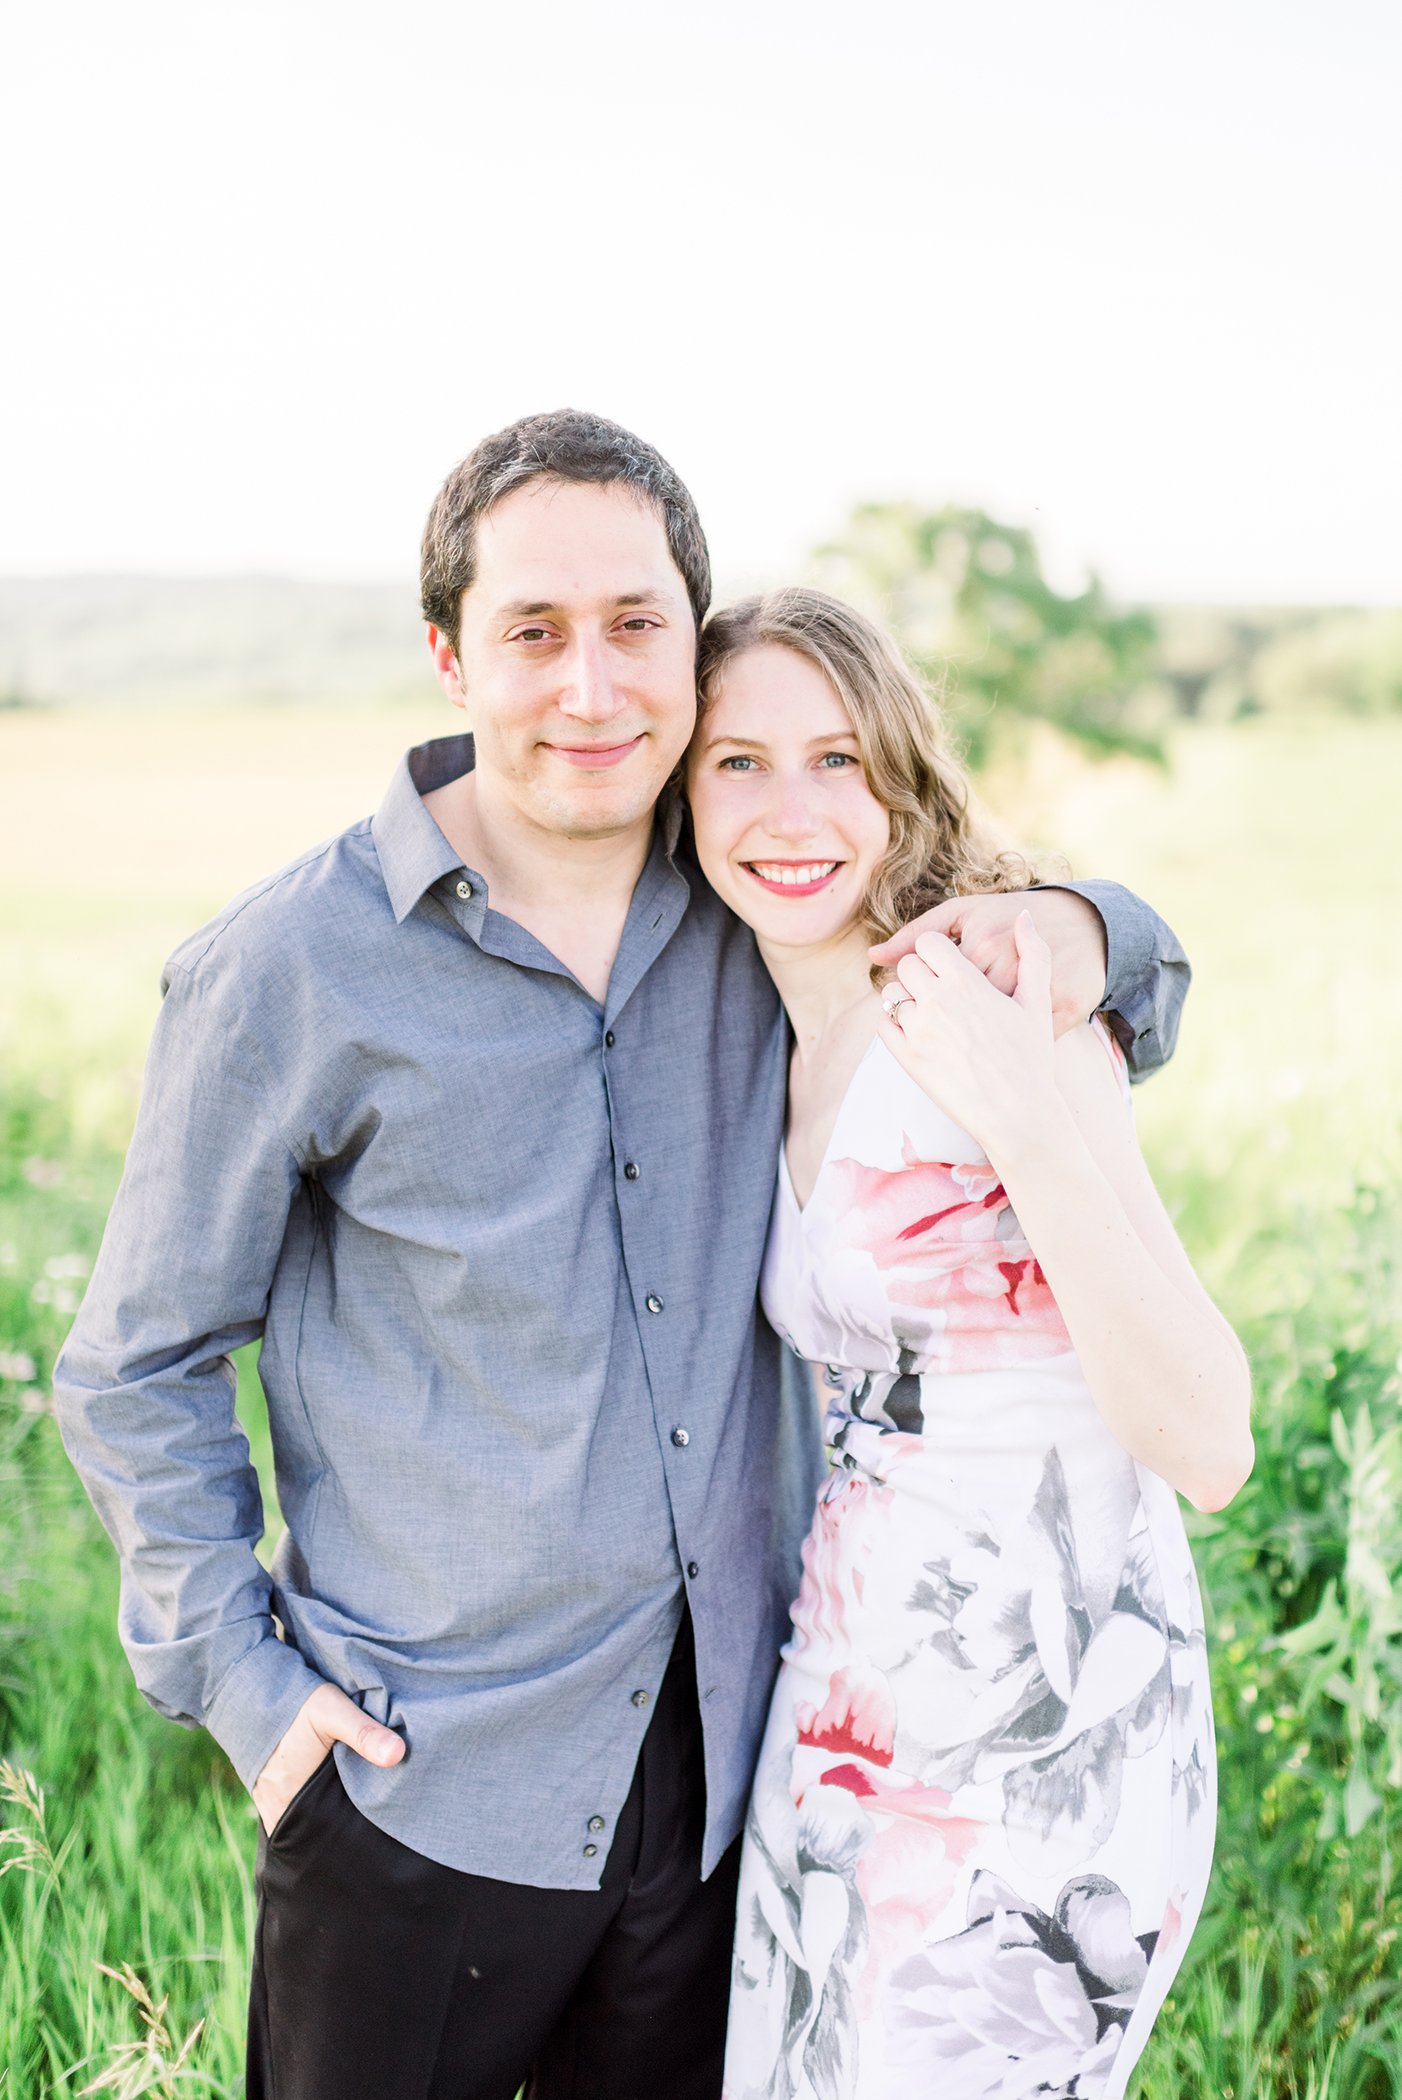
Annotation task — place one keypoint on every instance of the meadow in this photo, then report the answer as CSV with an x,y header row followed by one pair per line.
x,y
1275,1135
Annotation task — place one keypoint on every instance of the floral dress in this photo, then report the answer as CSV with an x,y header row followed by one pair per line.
x,y
983,1817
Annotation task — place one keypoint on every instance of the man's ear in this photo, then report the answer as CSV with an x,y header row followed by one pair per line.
x,y
446,668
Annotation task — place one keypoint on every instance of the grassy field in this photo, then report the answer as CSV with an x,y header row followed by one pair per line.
x,y
1275,1135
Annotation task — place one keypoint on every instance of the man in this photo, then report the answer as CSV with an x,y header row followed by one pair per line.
x,y
472,1114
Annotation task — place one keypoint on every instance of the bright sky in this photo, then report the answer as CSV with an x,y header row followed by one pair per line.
x,y
1127,272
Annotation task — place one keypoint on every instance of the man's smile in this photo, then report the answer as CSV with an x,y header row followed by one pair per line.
x,y
593,757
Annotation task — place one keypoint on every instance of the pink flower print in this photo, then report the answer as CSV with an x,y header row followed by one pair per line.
x,y
908,1868
944,1237
845,1533
858,1716
912,1803
897,1216
1172,1927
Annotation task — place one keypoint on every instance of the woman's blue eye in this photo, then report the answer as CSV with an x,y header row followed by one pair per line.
x,y
736,763
836,759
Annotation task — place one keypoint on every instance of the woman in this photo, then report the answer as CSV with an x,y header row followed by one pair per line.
x,y
982,1821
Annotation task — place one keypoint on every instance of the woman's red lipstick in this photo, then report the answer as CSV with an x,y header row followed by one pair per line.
x,y
816,874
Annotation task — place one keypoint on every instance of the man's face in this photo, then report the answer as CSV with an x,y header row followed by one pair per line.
x,y
576,662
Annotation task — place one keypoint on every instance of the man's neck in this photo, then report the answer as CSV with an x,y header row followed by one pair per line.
x,y
572,894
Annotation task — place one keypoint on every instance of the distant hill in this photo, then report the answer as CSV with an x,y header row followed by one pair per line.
x,y
116,639
183,641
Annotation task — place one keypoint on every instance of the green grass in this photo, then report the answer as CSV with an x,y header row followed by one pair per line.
x,y
1293,1984
1275,1138
149,1833
153,1850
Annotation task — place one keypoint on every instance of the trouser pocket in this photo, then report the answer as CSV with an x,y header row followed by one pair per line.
x,y
300,1814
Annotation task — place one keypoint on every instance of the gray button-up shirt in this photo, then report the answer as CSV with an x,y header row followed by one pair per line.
x,y
501,1244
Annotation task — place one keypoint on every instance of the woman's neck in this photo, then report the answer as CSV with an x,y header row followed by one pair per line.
x,y
820,986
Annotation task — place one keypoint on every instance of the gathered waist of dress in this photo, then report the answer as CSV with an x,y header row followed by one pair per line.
x,y
887,1424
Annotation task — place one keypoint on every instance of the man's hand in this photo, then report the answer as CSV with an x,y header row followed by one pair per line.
x,y
983,926
328,1717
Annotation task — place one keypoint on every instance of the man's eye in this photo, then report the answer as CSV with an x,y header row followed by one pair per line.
x,y
637,626
531,634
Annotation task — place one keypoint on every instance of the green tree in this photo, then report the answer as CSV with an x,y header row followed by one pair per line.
x,y
968,599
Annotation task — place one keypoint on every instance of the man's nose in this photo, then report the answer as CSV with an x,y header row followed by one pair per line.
x,y
590,694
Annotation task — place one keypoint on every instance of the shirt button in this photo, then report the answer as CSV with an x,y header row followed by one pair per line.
x,y
654,1304
693,1569
631,1170
640,1698
608,1040
681,1438
464,890
590,1850
596,1822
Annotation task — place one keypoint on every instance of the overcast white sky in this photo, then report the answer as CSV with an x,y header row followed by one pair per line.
x,y
1127,272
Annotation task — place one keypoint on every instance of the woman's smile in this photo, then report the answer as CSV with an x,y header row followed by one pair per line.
x,y
793,878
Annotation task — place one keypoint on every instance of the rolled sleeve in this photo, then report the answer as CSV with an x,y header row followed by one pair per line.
x,y
144,1387
1147,975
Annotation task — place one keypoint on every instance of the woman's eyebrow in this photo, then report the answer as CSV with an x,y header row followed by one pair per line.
x,y
745,743
754,743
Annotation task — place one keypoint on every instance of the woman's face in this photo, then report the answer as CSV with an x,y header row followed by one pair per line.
x,y
787,829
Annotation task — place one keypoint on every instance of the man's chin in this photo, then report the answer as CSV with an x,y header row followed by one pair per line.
x,y
599,811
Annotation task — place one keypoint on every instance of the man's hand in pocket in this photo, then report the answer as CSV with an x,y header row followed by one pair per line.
x,y
328,1717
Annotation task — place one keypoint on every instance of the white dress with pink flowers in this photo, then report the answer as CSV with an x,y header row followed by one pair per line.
x,y
982,1822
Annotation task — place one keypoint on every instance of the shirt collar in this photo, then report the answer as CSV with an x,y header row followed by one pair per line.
x,y
413,852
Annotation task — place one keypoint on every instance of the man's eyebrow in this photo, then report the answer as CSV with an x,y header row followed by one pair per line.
x,y
532,608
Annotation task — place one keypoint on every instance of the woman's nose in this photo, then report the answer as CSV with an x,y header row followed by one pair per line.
x,y
793,813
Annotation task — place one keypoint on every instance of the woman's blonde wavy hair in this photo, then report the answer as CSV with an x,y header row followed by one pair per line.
x,y
938,848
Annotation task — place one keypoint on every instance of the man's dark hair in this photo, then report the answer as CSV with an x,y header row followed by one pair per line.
x,y
566,445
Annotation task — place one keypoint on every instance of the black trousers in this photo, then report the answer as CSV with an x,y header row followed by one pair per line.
x,y
381,1975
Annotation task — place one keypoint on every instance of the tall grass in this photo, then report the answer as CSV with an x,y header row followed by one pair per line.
x,y
1293,1984
128,1842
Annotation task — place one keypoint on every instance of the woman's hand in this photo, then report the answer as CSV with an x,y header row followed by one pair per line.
x,y
987,1060
983,926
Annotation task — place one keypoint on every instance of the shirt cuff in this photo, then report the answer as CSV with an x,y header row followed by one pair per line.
x,y
257,1703
1146,974
1127,951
